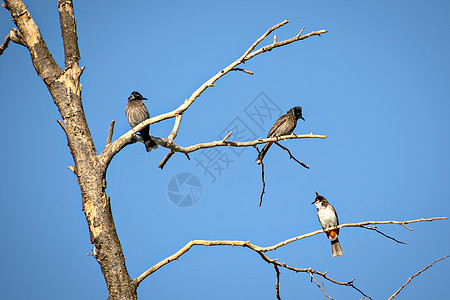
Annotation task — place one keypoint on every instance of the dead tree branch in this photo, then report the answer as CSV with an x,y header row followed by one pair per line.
x,y
176,126
323,275
292,156
277,284
297,238
15,36
242,70
383,234
261,251
167,143
245,244
263,184
262,167
176,148
166,159
106,156
262,179
320,287
415,275
112,149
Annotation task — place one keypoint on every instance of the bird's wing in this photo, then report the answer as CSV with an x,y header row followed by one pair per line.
x,y
147,115
136,114
337,219
278,123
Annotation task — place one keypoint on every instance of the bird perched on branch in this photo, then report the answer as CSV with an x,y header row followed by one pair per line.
x,y
329,221
136,113
285,125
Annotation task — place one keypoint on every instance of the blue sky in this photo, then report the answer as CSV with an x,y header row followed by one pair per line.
x,y
377,85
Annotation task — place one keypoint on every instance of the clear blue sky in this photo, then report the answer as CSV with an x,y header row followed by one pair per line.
x,y
377,84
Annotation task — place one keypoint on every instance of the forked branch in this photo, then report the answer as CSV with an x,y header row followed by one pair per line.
x,y
15,36
320,287
130,137
361,224
261,251
170,144
262,168
245,244
292,156
112,149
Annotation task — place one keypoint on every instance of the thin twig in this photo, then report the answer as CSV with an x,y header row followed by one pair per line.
x,y
173,134
291,156
417,274
310,271
407,227
262,178
365,296
263,184
62,125
301,31
323,275
277,284
176,126
383,234
166,159
321,288
242,70
5,43
111,132
227,136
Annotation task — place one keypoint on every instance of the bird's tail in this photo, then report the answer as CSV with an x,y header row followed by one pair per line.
x,y
150,144
263,153
336,249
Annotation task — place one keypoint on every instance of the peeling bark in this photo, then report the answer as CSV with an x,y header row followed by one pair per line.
x,y
65,89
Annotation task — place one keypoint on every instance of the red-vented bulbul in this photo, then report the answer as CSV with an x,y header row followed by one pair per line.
x,y
285,125
136,113
329,221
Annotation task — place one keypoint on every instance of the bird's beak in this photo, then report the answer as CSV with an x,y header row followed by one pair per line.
x,y
144,99
314,202
302,118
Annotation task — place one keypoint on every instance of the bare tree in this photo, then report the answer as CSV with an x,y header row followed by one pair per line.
x,y
90,169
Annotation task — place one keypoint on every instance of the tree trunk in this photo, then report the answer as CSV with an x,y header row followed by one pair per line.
x,y
65,88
